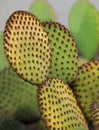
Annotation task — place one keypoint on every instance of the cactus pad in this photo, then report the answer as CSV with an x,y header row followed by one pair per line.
x,y
64,62
11,124
3,114
86,86
58,107
17,97
95,113
8,123
43,10
84,25
27,46
3,59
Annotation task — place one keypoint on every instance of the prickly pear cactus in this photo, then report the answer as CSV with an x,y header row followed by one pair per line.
x,y
17,97
42,10
84,25
58,107
95,113
86,86
27,47
64,61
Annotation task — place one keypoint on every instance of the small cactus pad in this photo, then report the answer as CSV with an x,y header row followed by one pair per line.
x,y
95,114
27,46
58,107
43,10
64,62
11,124
84,25
17,97
86,86
3,59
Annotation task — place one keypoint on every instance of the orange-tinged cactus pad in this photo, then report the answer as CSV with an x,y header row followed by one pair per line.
x,y
64,61
27,47
58,107
86,86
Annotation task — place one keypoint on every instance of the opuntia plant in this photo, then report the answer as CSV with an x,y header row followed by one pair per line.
x,y
43,80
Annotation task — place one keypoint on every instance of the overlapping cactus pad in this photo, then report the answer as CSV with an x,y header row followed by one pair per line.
x,y
95,113
17,97
64,61
8,123
86,86
84,25
58,107
11,124
27,46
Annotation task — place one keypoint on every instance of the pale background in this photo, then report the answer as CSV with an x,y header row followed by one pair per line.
x,y
61,7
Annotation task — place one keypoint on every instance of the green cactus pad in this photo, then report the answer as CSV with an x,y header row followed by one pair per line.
x,y
64,62
84,25
39,125
8,123
17,97
86,86
95,113
3,114
58,107
43,10
11,124
27,47
3,59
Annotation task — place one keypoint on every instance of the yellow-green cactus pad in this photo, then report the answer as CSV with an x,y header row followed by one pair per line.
x,y
11,124
64,62
27,46
3,59
17,97
58,107
84,25
86,86
43,10
95,113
